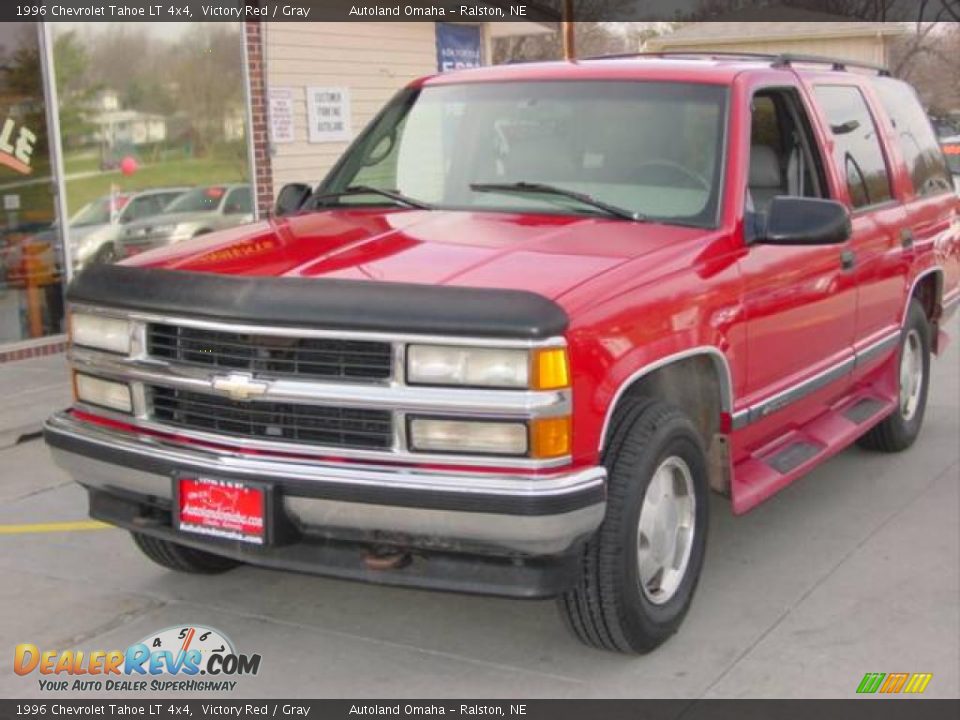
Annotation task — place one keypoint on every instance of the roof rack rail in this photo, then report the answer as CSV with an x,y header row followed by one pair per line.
x,y
685,53
775,59
787,59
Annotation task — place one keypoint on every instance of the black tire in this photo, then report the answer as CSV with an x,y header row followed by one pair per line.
x,y
181,558
897,432
106,254
607,609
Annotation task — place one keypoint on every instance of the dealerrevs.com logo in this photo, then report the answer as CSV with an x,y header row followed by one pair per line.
x,y
893,683
180,658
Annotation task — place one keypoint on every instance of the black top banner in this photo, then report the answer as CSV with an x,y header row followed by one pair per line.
x,y
541,11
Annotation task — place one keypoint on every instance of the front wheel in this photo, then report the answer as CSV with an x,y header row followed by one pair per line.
x,y
181,558
640,570
900,429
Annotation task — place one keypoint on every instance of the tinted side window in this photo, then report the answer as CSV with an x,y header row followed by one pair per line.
x,y
239,202
165,199
764,129
858,145
915,135
144,207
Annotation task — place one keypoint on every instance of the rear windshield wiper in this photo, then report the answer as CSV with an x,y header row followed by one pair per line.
x,y
543,188
397,197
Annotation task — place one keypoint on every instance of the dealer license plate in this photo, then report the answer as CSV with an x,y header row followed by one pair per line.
x,y
221,508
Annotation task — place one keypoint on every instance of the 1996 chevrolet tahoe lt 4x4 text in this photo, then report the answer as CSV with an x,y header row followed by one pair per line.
x,y
528,322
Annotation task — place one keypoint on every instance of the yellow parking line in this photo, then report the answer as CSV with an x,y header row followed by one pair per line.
x,y
53,527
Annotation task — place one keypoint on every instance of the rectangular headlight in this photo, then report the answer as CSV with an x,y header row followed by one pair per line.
x,y
105,393
100,332
467,366
468,436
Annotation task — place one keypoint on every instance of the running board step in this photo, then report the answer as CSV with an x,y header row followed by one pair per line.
x,y
792,456
864,409
771,468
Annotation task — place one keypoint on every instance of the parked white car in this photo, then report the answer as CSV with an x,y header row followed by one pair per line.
x,y
96,229
199,211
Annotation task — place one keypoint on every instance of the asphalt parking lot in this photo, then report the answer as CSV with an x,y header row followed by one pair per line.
x,y
854,569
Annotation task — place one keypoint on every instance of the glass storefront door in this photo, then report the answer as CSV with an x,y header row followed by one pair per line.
x,y
31,293
153,134
153,143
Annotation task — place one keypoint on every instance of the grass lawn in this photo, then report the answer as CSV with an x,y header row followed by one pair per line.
x,y
78,163
190,171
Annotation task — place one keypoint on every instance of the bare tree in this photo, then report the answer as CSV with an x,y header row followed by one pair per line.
x,y
207,77
930,60
868,10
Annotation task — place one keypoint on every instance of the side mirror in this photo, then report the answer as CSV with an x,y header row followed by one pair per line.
x,y
804,221
291,198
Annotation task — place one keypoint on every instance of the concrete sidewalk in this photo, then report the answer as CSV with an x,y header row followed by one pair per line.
x,y
853,569
29,391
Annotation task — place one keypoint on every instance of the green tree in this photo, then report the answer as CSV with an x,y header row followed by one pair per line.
x,y
75,90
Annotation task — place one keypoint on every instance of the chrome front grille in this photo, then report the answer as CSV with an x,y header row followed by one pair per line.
x,y
313,391
276,355
335,427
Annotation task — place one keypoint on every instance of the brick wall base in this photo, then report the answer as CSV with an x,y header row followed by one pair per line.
x,y
263,182
54,346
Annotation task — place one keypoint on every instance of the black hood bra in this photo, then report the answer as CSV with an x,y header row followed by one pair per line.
x,y
325,303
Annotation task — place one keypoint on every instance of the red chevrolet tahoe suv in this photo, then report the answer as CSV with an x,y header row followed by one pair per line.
x,y
525,326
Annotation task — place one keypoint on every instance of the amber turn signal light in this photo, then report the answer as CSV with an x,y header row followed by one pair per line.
x,y
551,370
550,437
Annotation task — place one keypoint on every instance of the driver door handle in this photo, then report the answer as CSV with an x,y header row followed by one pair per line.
x,y
848,259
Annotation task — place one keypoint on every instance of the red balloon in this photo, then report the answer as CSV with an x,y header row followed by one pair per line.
x,y
128,166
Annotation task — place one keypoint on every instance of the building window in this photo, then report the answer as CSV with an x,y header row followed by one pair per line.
x,y
31,294
154,137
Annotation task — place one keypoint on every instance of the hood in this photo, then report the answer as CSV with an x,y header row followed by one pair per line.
x,y
547,254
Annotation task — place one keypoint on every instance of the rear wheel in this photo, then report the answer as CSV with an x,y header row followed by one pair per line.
x,y
106,254
180,557
640,570
900,429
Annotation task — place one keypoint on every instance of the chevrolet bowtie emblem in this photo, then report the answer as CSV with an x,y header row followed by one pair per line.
x,y
238,386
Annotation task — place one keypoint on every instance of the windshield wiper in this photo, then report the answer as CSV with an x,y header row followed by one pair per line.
x,y
545,189
397,197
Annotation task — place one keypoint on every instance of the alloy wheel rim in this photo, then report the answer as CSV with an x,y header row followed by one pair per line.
x,y
665,530
911,375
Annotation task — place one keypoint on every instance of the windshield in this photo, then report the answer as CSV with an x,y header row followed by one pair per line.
x,y
651,148
98,212
206,199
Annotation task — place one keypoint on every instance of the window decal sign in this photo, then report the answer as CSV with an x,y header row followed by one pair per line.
x,y
281,115
16,146
328,114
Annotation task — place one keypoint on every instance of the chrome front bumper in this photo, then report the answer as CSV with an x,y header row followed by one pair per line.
x,y
543,514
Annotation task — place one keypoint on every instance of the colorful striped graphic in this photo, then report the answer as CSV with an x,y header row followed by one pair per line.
x,y
914,683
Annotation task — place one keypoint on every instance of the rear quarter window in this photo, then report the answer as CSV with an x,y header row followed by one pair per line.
x,y
915,136
858,149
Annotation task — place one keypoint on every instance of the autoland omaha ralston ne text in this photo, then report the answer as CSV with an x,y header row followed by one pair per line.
x,y
435,710
472,11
